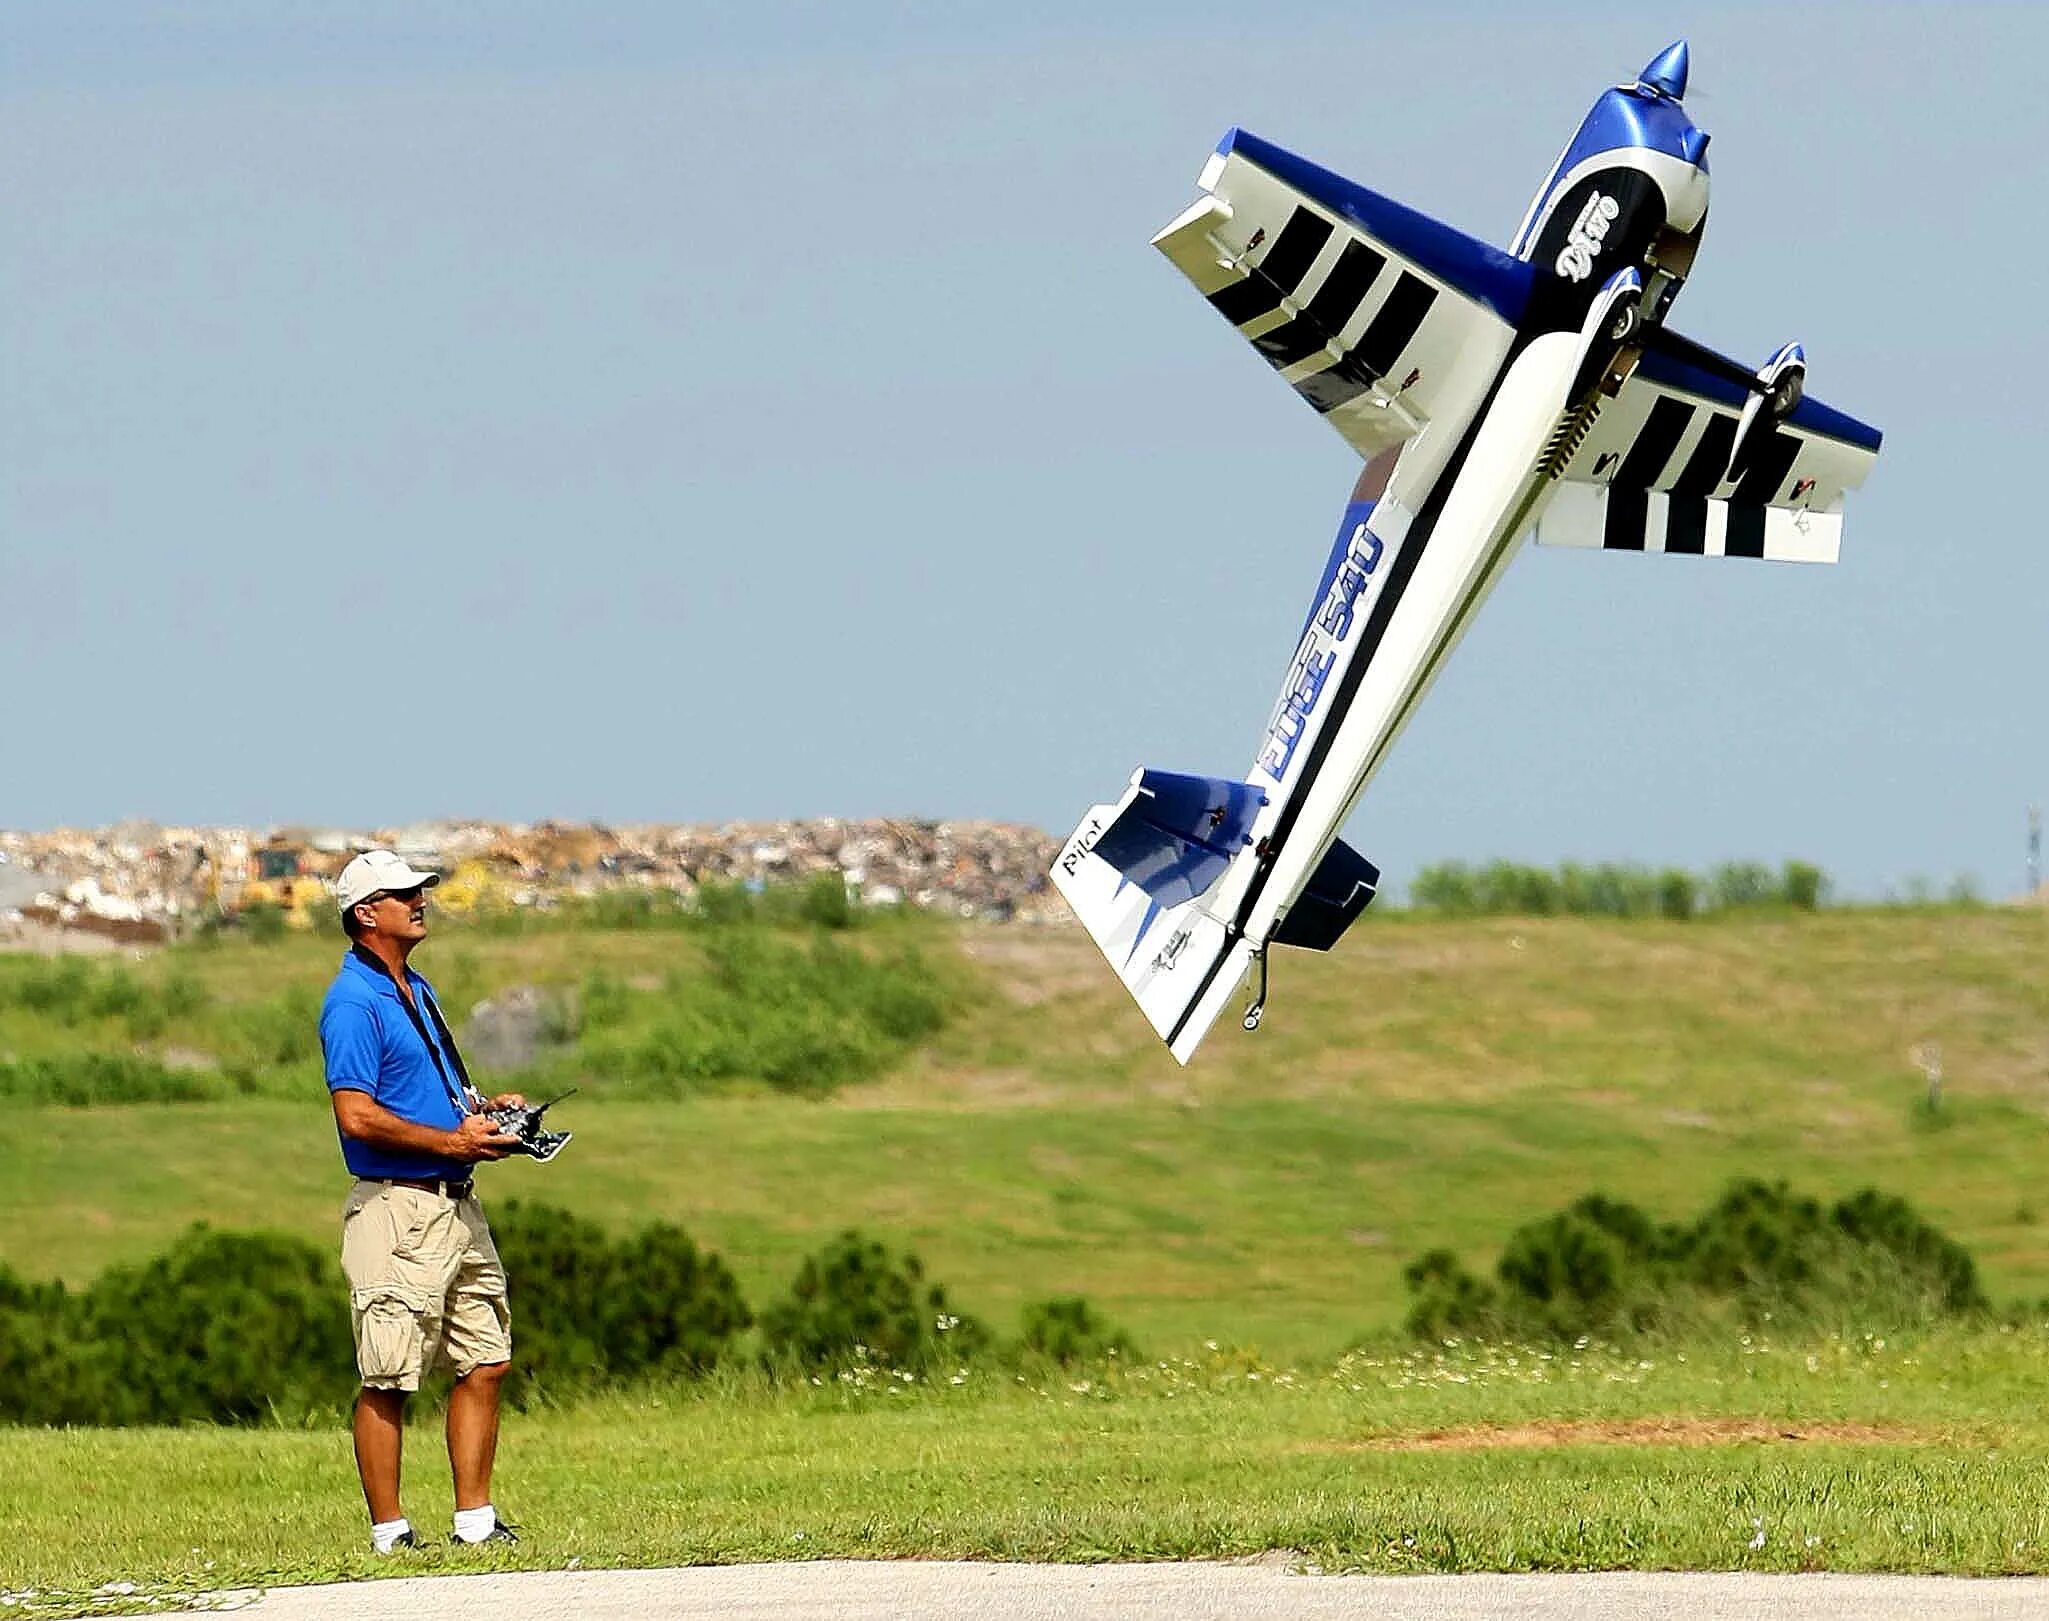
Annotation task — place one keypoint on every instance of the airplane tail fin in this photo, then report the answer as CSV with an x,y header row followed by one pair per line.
x,y
1340,888
1137,873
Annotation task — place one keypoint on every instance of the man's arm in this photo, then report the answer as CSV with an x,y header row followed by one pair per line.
x,y
366,1120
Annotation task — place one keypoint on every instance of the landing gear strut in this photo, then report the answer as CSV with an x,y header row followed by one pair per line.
x,y
1259,998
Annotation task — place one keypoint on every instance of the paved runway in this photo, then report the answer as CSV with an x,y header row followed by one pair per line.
x,y
853,1591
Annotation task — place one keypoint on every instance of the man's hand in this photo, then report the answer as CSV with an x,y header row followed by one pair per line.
x,y
508,1100
479,1138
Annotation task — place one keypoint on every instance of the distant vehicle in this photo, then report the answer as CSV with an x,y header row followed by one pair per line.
x,y
285,874
1490,392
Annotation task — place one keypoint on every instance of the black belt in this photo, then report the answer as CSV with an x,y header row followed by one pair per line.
x,y
447,1187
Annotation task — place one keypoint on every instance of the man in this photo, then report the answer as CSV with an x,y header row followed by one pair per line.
x,y
425,1284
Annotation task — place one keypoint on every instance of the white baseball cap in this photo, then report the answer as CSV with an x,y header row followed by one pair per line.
x,y
375,871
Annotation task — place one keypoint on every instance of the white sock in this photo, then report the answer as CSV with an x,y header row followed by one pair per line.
x,y
475,1524
384,1534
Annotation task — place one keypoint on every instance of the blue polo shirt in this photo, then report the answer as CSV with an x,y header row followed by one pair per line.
x,y
372,1045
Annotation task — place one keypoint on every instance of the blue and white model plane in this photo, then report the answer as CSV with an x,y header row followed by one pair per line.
x,y
1490,393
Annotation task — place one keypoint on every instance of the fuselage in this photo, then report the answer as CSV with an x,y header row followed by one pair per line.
x,y
1430,527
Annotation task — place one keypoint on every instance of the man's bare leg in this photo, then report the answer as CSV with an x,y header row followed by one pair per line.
x,y
473,1433
380,1436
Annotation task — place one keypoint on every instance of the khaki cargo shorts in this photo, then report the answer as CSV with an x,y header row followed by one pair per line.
x,y
425,1286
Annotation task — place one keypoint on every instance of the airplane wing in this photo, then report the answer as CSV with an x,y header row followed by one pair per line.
x,y
1653,473
1378,316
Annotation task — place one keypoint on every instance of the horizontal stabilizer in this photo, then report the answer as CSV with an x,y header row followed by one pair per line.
x,y
1178,833
1339,889
1140,874
1624,520
1379,317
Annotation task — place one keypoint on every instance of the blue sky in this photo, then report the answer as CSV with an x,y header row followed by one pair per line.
x,y
627,412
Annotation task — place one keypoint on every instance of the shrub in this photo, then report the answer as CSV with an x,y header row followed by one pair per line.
x,y
721,901
820,900
262,921
855,1301
72,991
1447,887
233,1327
1802,886
603,1002
1735,885
1447,1299
81,1080
1603,1266
60,989
50,1371
1678,893
588,1309
801,1016
222,1326
181,994
1611,889
674,1308
1070,1331
283,1030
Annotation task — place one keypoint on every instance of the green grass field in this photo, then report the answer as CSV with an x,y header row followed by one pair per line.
x,y
1432,1083
1861,1454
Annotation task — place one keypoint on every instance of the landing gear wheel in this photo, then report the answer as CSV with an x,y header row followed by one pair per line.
x,y
1623,323
1252,1014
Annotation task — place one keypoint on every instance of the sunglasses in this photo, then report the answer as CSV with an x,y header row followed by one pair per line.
x,y
407,896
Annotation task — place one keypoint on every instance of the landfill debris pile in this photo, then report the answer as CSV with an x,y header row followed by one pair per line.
x,y
139,881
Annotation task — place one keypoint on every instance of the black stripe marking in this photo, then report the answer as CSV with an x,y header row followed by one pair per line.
x,y
1629,515
1686,524
1334,385
1295,249
1274,277
1769,465
1655,442
1746,530
1335,303
1383,341
1246,301
1386,335
1710,459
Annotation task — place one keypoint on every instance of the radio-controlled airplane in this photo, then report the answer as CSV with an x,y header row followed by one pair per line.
x,y
1489,392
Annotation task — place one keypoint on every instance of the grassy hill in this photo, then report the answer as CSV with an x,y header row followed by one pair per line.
x,y
1431,1083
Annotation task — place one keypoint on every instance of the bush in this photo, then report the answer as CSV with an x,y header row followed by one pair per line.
x,y
60,988
801,1016
854,1301
1447,1300
1678,894
236,1327
1802,886
81,1080
262,921
50,1371
72,991
588,1309
226,1327
1603,1266
675,1309
820,900
1611,889
1069,1331
181,994
284,1030
1737,885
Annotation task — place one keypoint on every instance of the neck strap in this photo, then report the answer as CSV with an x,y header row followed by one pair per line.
x,y
460,1098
